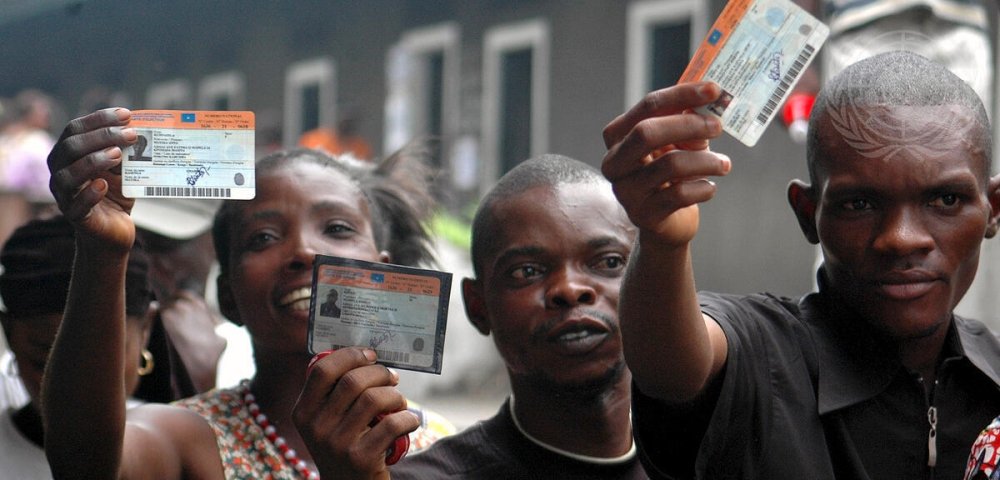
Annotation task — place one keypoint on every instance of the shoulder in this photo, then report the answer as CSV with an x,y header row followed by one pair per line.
x,y
180,438
762,312
981,346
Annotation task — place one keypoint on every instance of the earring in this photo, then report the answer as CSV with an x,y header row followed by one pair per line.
x,y
146,367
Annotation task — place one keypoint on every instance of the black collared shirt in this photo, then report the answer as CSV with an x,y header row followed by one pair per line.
x,y
810,392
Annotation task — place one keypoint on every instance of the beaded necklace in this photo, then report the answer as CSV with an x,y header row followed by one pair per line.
x,y
271,433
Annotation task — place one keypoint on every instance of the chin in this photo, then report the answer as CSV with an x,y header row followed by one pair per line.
x,y
913,327
593,386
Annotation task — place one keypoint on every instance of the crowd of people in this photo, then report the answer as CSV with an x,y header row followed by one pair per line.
x,y
619,367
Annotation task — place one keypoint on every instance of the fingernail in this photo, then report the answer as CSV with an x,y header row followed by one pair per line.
x,y
394,373
370,354
727,164
129,134
319,356
714,124
705,91
113,153
122,114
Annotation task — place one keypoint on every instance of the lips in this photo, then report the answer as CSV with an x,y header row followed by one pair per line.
x,y
577,336
297,300
907,285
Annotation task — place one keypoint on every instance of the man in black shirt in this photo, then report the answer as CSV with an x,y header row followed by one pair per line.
x,y
871,377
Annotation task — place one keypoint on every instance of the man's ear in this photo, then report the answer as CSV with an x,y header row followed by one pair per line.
x,y
801,197
993,196
227,304
475,305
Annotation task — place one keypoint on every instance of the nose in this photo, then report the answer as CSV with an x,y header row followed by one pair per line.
x,y
303,250
902,232
570,287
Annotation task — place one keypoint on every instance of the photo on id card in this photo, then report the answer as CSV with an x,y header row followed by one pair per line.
x,y
400,312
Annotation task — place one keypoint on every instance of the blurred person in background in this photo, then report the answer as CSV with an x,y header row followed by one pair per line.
x,y
36,272
177,235
25,142
344,139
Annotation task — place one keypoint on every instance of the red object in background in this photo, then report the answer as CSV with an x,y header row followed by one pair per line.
x,y
399,447
796,115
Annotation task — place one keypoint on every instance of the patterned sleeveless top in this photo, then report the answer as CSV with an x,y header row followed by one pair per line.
x,y
246,452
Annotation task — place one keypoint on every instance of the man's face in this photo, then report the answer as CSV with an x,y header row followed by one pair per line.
x,y
900,224
549,286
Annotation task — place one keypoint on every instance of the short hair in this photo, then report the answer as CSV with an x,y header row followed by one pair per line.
x,y
897,78
397,190
38,263
544,170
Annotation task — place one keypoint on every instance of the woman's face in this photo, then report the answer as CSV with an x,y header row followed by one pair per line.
x,y
31,338
300,210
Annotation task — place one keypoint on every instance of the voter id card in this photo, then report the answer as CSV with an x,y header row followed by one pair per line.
x,y
756,51
190,154
400,312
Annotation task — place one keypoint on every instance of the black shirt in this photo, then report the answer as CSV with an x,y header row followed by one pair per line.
x,y
495,449
809,391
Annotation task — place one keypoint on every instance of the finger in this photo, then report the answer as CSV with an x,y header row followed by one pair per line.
x,y
631,154
67,180
377,435
81,204
360,395
326,373
344,431
72,148
681,195
673,167
681,165
108,117
668,101
383,435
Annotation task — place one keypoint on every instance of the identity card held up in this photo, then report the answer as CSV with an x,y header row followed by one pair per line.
x,y
756,51
190,154
400,312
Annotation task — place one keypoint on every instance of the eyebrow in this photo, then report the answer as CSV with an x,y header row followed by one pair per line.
x,y
608,240
314,208
332,205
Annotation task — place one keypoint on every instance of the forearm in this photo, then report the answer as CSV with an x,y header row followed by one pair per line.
x,y
84,393
667,345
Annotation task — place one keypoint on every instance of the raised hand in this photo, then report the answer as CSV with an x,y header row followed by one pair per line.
x,y
658,160
86,177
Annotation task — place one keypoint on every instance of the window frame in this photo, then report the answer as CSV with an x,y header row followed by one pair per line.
x,y
645,15
320,71
498,40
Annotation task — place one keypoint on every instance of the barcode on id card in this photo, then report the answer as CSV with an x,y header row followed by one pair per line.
x,y
387,356
207,192
779,93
